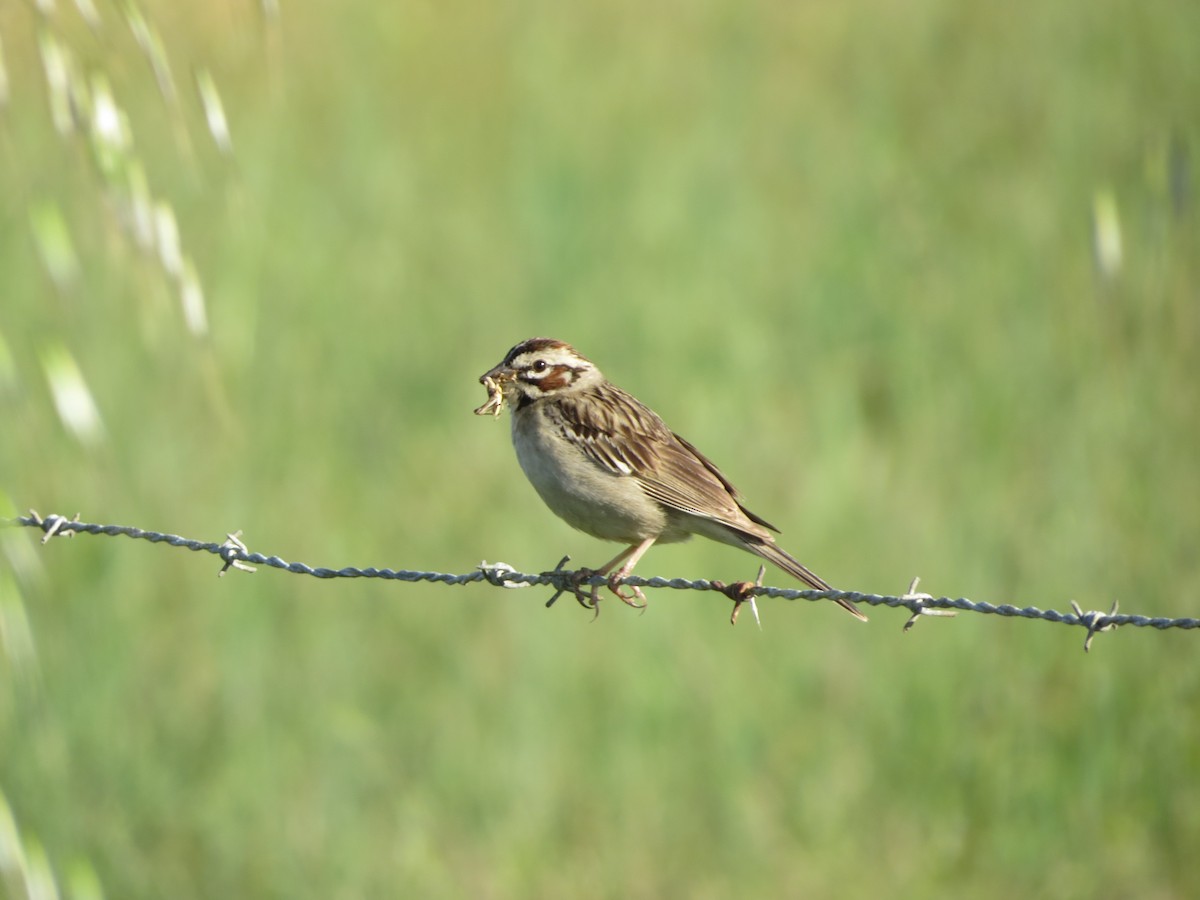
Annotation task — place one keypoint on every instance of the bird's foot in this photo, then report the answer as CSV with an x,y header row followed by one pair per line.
x,y
573,584
631,596
586,599
589,597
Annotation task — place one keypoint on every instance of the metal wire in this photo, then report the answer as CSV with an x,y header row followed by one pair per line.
x,y
235,554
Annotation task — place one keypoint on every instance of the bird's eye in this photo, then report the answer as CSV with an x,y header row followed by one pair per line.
x,y
540,365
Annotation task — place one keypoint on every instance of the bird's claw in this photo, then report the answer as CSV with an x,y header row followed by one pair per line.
x,y
573,584
634,597
589,598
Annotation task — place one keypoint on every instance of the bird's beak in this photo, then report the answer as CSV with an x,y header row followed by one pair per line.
x,y
500,374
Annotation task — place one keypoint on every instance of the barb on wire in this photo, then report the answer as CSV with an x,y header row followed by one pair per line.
x,y
234,553
233,545
918,607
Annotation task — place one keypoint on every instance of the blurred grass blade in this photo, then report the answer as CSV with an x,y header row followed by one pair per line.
x,y
83,882
109,128
148,39
54,244
39,880
24,868
56,66
1106,233
191,297
214,111
16,637
14,870
3,78
22,559
8,368
72,399
166,228
141,206
89,13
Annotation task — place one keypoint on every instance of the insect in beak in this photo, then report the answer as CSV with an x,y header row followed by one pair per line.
x,y
495,400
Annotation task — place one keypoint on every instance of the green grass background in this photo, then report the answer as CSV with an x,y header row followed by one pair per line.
x,y
847,249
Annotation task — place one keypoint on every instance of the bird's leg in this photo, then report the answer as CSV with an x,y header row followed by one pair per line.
x,y
630,555
574,585
587,600
591,600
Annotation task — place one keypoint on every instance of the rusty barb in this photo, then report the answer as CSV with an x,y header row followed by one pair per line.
x,y
743,592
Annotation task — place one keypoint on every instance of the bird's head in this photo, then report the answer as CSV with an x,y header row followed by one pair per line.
x,y
534,370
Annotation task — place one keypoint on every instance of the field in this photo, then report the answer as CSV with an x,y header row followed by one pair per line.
x,y
923,278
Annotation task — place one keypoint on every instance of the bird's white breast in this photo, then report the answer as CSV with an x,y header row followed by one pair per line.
x,y
578,490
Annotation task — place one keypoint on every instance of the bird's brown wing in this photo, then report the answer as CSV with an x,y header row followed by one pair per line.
x,y
615,431
725,484
686,480
625,437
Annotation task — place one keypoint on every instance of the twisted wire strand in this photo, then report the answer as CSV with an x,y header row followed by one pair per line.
x,y
235,554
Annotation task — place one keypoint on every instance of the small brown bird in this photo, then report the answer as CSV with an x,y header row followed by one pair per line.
x,y
607,464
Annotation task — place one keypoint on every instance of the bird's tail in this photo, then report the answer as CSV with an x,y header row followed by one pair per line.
x,y
773,553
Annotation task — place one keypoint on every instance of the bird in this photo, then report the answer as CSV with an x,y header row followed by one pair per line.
x,y
608,465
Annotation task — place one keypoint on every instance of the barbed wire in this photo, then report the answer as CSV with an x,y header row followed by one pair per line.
x,y
235,554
